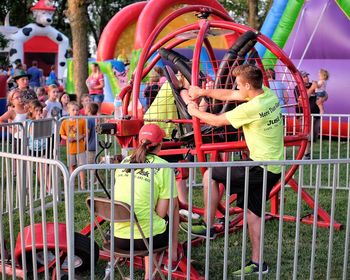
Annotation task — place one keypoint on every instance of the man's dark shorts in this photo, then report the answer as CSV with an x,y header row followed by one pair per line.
x,y
255,191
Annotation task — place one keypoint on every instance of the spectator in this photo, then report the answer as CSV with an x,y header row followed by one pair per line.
x,y
52,78
37,147
36,76
10,81
321,90
85,100
3,71
22,80
74,132
42,95
16,113
314,110
95,84
64,100
150,142
264,136
53,107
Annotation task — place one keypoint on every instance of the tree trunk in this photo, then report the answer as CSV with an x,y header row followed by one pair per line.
x,y
253,13
77,15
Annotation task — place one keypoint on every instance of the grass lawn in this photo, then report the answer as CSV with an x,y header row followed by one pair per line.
x,y
271,242
82,218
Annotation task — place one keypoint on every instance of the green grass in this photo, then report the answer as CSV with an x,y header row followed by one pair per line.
x,y
82,218
271,242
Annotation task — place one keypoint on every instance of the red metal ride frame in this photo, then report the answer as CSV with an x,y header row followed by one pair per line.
x,y
294,140
299,140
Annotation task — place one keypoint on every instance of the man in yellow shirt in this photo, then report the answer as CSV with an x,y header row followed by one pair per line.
x,y
261,120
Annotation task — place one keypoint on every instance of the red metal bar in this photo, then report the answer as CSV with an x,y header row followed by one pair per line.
x,y
322,214
204,25
211,55
87,230
151,39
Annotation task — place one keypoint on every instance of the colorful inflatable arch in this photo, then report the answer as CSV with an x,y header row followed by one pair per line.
x,y
140,19
128,31
114,77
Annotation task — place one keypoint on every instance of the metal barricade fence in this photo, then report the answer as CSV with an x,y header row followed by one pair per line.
x,y
315,245
330,138
34,138
31,218
12,138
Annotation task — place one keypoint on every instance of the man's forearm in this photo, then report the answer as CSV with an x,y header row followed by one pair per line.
x,y
222,94
211,119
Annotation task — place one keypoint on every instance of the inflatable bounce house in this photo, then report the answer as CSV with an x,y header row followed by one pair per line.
x,y
38,41
315,34
115,79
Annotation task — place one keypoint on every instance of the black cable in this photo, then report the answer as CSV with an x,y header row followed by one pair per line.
x,y
104,146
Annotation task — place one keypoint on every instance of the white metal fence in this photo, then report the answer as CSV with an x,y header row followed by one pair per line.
x,y
31,219
36,192
309,247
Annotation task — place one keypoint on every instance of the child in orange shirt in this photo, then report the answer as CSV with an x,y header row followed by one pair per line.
x,y
74,132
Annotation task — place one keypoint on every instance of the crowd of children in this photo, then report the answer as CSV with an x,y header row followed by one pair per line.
x,y
78,134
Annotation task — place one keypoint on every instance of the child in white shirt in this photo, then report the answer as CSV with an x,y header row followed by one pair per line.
x,y
320,91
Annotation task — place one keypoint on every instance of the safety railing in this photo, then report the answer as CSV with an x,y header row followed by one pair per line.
x,y
32,219
307,237
33,138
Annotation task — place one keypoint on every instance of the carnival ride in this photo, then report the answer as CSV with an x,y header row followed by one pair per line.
x,y
189,135
295,26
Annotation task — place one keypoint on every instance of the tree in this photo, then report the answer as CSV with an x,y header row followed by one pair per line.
x,y
100,12
19,11
250,12
77,16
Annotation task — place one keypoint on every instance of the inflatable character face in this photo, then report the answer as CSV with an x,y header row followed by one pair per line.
x,y
43,17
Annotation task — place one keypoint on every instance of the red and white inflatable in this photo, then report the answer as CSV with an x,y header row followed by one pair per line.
x,y
40,41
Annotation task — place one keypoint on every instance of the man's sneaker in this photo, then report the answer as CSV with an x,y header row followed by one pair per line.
x,y
251,268
199,230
